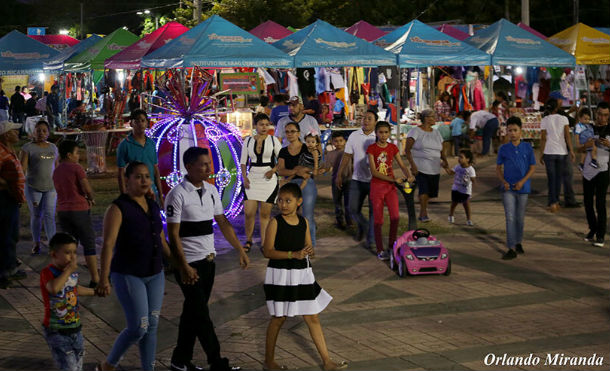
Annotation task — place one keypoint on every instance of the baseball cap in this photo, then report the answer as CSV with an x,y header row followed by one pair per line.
x,y
6,126
294,100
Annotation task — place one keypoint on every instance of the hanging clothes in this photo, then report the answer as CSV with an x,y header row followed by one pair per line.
x,y
306,81
293,86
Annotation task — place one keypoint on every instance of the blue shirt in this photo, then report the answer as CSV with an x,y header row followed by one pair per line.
x,y
277,113
516,161
585,132
129,150
456,127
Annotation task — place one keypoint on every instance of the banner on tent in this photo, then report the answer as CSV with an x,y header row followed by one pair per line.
x,y
240,83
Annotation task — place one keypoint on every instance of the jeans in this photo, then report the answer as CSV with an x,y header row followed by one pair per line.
x,y
67,350
78,224
384,193
555,171
567,180
9,234
410,204
44,213
514,210
490,129
341,201
596,188
141,299
310,194
195,322
457,141
357,192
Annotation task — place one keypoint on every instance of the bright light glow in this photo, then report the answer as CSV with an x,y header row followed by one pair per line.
x,y
64,32
121,75
519,70
125,28
139,13
41,76
147,11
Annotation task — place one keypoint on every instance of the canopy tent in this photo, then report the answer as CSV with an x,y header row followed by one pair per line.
x,y
270,32
605,30
531,30
57,62
58,42
419,45
21,55
453,32
365,31
216,42
323,45
130,58
509,44
587,44
93,58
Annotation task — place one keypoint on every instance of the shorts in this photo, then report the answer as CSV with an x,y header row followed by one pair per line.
x,y
428,184
78,224
459,197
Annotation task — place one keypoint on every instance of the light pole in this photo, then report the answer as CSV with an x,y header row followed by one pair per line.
x,y
147,12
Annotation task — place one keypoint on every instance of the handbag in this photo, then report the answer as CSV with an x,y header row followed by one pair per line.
x,y
354,94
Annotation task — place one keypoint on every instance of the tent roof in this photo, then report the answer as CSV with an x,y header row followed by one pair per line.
x,y
216,42
131,57
323,45
270,32
605,30
509,44
21,55
453,32
57,62
93,58
531,30
418,44
58,42
587,44
365,31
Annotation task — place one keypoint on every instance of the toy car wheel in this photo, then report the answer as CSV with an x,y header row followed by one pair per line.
x,y
392,262
402,268
448,270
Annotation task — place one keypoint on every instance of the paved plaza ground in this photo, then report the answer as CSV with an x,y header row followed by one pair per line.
x,y
552,300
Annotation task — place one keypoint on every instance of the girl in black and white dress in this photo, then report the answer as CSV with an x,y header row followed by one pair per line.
x,y
290,286
261,182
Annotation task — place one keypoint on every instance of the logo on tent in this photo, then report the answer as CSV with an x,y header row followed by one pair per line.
x,y
417,39
114,46
144,45
229,39
187,41
522,41
270,40
10,54
558,41
336,44
595,40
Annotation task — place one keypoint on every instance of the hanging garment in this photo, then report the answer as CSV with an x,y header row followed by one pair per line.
x,y
293,86
306,81
336,79
478,98
466,105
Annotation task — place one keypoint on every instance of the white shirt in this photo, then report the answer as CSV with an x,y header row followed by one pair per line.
x,y
555,141
426,150
356,145
462,180
307,125
479,118
183,204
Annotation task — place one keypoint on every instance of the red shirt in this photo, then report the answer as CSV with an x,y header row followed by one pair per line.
x,y
60,308
12,172
383,160
70,195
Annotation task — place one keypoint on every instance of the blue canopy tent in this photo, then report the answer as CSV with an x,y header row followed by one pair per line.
x,y
22,55
509,44
419,45
216,42
57,62
323,45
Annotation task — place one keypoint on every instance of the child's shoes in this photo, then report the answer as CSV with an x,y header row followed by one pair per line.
x,y
451,219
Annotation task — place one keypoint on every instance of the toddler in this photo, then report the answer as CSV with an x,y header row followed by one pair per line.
x,y
461,190
584,133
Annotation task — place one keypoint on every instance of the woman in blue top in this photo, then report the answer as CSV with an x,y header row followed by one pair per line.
x,y
515,165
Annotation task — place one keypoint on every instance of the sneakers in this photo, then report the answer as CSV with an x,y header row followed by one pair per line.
x,y
35,250
594,164
510,254
519,249
590,237
424,219
383,255
451,219
599,242
469,223
186,367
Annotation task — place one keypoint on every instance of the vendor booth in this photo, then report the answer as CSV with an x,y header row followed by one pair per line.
x,y
270,32
365,31
22,55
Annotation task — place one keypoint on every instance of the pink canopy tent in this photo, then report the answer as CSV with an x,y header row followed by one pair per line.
x,y
365,31
453,32
58,42
130,57
270,32
531,30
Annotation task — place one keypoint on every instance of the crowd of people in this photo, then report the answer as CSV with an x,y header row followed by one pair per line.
x,y
53,184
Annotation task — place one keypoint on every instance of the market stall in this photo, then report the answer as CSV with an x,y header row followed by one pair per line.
x,y
57,42
270,32
453,32
22,55
365,31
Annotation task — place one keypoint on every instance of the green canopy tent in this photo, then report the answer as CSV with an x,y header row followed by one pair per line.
x,y
93,58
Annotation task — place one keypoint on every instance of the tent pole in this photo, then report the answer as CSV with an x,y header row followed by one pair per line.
x,y
490,84
398,110
589,93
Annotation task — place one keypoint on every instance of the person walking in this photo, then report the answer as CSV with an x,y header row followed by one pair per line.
x,y
191,207
555,147
132,251
261,182
489,123
17,107
39,159
595,180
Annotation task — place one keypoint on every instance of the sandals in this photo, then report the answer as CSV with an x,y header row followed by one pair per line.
x,y
340,366
248,246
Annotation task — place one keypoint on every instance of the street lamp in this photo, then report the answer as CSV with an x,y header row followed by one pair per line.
x,y
147,11
64,32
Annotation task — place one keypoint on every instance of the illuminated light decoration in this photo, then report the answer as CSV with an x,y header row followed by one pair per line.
x,y
189,120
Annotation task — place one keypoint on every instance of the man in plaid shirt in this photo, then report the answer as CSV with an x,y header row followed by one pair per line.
x,y
12,195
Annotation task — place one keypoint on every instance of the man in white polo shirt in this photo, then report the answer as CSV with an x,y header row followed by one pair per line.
x,y
488,122
307,124
360,185
191,208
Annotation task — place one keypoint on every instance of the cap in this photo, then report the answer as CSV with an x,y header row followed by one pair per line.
x,y
6,126
294,100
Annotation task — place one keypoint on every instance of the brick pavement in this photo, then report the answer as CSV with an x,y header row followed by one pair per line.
x,y
554,299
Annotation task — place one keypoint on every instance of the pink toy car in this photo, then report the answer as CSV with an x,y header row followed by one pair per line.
x,y
417,252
